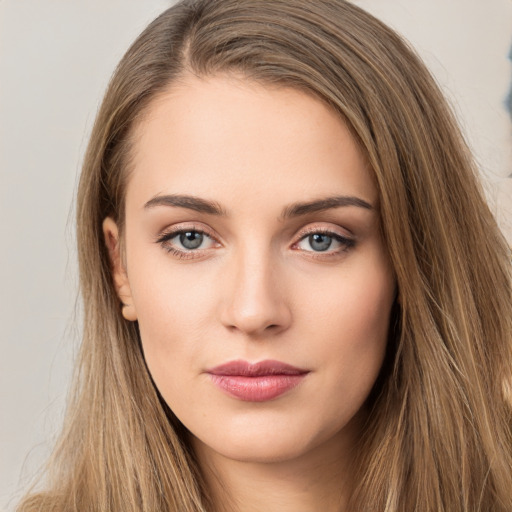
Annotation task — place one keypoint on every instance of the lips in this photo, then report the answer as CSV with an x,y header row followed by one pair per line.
x,y
258,382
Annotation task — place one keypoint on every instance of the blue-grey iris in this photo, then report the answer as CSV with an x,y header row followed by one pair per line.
x,y
320,242
191,239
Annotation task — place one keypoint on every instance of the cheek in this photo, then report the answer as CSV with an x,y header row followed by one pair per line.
x,y
350,326
352,304
173,308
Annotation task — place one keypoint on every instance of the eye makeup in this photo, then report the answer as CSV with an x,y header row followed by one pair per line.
x,y
191,242
192,235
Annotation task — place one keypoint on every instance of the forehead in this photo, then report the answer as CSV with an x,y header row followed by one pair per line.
x,y
220,136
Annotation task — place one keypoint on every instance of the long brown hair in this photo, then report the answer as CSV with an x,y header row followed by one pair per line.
x,y
439,434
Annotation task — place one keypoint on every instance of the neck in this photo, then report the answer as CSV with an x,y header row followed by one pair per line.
x,y
317,480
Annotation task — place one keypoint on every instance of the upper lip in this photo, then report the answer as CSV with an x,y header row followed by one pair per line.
x,y
245,369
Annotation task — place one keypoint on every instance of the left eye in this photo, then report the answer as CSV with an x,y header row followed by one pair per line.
x,y
322,242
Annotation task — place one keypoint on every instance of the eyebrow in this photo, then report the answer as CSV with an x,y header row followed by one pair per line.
x,y
293,210
190,202
298,209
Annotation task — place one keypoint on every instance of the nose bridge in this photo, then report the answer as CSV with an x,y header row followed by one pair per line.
x,y
257,298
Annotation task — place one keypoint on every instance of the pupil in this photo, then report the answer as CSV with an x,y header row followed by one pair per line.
x,y
320,242
191,239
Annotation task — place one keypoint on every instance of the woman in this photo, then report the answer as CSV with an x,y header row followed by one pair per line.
x,y
295,296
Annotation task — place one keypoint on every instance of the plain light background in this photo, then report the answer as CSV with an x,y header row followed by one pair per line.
x,y
56,57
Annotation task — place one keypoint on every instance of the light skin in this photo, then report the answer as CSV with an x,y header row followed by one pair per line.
x,y
269,271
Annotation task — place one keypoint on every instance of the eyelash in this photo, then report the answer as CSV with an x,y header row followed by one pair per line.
x,y
163,239
345,242
166,236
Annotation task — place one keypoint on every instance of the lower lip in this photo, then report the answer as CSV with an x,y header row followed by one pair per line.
x,y
256,389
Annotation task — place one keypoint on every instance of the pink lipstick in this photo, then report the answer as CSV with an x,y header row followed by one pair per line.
x,y
258,382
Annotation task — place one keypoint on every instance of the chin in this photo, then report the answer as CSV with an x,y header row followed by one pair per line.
x,y
270,444
262,452
268,451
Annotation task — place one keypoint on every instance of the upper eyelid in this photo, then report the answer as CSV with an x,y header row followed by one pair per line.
x,y
317,229
176,229
171,232
327,231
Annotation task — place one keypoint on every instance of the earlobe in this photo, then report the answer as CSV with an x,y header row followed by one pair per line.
x,y
119,275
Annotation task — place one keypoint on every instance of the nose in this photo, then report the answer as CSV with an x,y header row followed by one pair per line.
x,y
255,299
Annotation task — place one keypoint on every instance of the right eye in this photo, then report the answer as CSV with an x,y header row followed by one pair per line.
x,y
184,243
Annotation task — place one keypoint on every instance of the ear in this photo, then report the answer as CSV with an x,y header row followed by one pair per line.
x,y
121,283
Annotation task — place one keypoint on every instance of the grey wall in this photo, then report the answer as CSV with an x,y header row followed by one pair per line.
x,y
56,57
55,60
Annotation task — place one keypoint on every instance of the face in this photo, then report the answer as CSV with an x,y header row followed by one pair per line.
x,y
254,265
